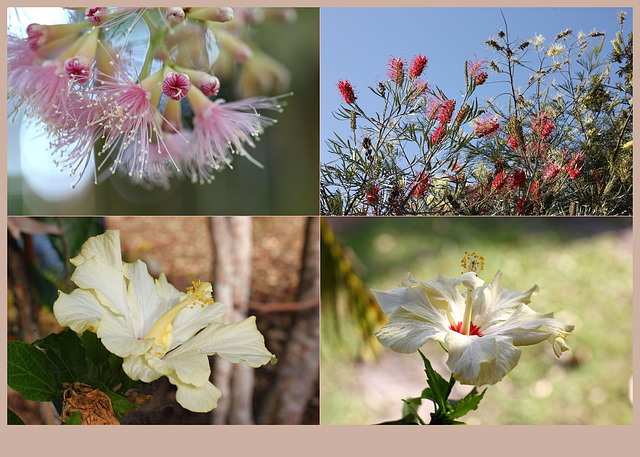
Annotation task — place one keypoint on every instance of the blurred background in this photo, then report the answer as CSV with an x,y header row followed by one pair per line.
x,y
262,266
583,267
288,184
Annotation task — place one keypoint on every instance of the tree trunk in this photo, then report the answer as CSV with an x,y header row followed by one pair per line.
x,y
297,377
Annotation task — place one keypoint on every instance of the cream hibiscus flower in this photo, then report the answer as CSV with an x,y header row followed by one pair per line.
x,y
480,329
157,330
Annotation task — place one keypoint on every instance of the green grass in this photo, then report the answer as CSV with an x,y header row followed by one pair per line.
x,y
585,277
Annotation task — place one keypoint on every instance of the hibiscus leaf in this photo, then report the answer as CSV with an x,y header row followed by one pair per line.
x,y
29,373
439,387
466,404
94,349
13,418
64,350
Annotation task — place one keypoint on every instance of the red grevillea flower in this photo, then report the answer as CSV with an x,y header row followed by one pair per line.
x,y
517,179
438,135
499,181
373,195
420,189
523,204
534,189
446,111
485,126
550,171
175,85
476,70
417,66
574,172
542,125
347,92
395,72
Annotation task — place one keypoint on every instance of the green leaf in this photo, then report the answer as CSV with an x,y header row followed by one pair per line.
x,y
28,372
65,351
410,406
13,419
94,349
440,388
120,404
403,421
468,403
74,419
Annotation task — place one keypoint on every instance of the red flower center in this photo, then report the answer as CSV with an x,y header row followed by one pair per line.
x,y
473,330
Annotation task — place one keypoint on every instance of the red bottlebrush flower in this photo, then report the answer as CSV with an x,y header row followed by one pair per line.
x,y
395,72
438,135
421,188
446,111
542,125
573,173
418,89
485,126
176,85
417,66
373,195
517,179
499,181
576,162
347,92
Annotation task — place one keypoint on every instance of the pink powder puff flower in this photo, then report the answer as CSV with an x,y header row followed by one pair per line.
x,y
222,129
417,66
78,69
175,85
395,72
486,126
347,92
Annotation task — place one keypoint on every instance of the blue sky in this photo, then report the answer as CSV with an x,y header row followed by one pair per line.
x,y
357,42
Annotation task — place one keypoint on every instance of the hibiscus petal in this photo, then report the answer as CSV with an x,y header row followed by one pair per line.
x,y
137,368
236,342
80,310
107,282
524,327
117,336
197,399
168,294
105,247
142,297
443,293
493,304
193,319
407,330
191,367
412,298
478,360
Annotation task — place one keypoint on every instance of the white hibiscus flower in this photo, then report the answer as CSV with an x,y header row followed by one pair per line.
x,y
156,329
481,329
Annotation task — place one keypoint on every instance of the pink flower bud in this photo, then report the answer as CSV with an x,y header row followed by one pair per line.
x,y
176,86
209,85
95,15
175,15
